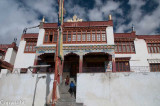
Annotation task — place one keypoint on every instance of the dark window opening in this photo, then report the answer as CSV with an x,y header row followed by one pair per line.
x,y
155,67
122,66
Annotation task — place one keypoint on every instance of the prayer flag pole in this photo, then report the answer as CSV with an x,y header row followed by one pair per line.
x,y
59,52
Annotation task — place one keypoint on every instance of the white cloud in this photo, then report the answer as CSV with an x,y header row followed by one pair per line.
x,y
77,10
144,23
15,17
101,10
44,7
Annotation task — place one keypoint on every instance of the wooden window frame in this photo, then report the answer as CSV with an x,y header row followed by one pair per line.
x,y
32,44
153,47
123,47
80,34
121,66
155,66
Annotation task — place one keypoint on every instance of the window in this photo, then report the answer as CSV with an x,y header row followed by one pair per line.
x,y
78,36
154,67
30,47
50,36
122,66
69,36
103,37
55,36
93,36
46,37
153,47
124,47
88,37
83,35
64,36
98,35
74,36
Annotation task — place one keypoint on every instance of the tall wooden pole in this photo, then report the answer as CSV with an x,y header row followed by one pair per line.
x,y
59,52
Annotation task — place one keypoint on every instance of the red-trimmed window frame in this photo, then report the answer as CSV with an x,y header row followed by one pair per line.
x,y
69,36
124,47
30,47
153,47
122,66
154,67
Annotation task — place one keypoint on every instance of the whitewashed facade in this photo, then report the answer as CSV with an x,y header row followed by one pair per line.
x,y
138,60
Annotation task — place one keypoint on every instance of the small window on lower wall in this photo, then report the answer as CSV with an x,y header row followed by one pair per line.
x,y
122,65
155,67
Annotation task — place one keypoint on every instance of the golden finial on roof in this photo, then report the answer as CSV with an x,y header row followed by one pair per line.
x,y
43,19
75,19
110,17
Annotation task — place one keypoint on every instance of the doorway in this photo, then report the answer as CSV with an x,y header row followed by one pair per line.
x,y
71,65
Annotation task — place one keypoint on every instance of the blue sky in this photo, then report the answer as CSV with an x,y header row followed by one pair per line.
x,y
18,14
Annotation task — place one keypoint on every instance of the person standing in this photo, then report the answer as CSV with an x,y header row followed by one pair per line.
x,y
67,80
72,88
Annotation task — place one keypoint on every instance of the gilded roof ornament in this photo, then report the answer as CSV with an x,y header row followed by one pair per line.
x,y
110,17
43,19
75,19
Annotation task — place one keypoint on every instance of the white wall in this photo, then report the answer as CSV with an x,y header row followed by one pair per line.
x,y
110,35
13,57
40,37
141,56
15,87
23,60
118,89
10,56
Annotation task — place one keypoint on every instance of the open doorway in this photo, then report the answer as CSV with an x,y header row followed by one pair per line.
x,y
47,59
94,62
71,65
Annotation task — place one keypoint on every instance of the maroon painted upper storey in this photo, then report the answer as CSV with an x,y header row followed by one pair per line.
x,y
133,35
30,35
148,36
125,35
80,24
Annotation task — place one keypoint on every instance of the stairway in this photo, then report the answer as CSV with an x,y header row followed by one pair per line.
x,y
65,97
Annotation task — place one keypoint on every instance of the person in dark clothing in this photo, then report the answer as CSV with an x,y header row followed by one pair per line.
x,y
67,80
72,88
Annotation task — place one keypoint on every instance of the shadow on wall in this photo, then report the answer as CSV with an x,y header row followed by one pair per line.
x,y
48,81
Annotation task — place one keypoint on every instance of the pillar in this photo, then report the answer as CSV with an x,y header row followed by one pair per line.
x,y
80,63
113,63
108,64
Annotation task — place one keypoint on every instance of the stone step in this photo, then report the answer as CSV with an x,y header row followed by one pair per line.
x,y
65,104
65,97
68,104
79,104
67,100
